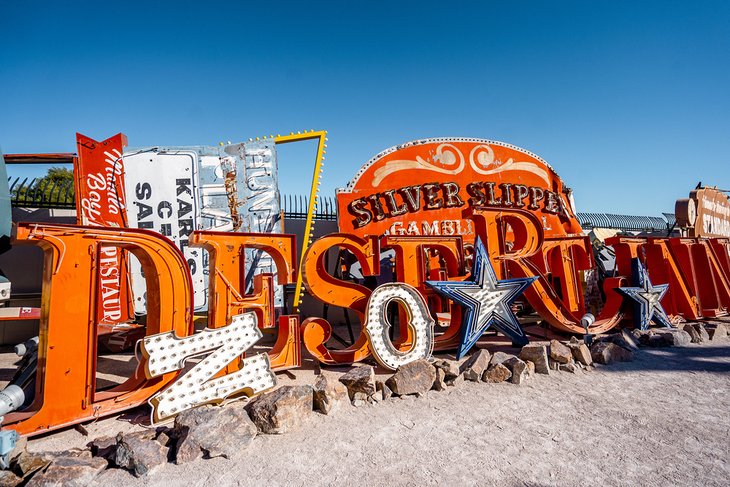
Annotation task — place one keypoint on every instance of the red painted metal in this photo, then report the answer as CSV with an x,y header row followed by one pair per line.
x,y
99,184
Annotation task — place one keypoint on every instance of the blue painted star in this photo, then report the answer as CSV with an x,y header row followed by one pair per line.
x,y
646,298
485,300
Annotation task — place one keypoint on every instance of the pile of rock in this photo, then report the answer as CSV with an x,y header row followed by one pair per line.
x,y
212,431
500,367
683,334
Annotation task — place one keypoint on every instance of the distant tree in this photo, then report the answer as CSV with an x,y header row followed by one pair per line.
x,y
56,186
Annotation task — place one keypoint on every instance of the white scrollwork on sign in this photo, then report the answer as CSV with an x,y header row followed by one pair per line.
x,y
481,158
447,160
450,160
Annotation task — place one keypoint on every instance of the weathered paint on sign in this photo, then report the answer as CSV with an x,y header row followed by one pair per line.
x,y
162,195
100,199
421,188
706,213
176,190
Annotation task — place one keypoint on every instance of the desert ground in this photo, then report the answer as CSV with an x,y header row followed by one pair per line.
x,y
661,419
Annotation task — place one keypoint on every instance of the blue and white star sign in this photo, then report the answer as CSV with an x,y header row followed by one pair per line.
x,y
485,300
646,298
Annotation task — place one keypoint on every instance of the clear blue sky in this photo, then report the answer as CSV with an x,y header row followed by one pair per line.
x,y
628,101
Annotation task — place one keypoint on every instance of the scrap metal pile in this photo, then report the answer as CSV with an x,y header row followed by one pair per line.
x,y
439,241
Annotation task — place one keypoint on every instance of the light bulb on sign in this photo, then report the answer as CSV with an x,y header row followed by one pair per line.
x,y
377,325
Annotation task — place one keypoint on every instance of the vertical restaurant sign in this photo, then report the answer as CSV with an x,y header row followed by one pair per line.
x,y
100,199
422,187
239,191
163,196
252,173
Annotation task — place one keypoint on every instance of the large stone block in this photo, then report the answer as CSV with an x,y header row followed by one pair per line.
x,y
537,354
412,378
329,394
359,379
212,431
282,410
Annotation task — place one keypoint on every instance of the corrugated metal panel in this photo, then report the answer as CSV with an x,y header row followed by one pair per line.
x,y
671,219
636,223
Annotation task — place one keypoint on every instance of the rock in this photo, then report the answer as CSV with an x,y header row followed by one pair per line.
x,y
638,334
412,378
329,394
458,380
164,437
530,368
697,332
360,399
69,471
450,368
693,333
499,357
537,354
704,336
139,453
667,337
627,341
568,368
553,364
660,340
471,375
104,447
26,463
381,386
608,352
475,366
718,332
284,409
518,368
359,379
375,397
581,352
496,373
79,452
560,353
624,340
439,384
9,479
213,431
21,446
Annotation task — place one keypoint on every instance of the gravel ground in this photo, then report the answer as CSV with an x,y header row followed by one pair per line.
x,y
659,420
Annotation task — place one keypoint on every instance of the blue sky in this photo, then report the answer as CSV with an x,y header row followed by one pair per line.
x,y
628,101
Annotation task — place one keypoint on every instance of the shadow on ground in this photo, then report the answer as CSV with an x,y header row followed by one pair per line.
x,y
693,358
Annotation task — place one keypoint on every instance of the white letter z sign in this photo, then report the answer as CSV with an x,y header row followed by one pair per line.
x,y
166,352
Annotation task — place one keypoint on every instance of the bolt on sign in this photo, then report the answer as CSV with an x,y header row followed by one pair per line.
x,y
422,187
706,213
177,190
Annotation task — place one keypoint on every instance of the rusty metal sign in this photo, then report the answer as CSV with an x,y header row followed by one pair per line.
x,y
706,213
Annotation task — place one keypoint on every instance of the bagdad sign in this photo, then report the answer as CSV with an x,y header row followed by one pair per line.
x,y
528,246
